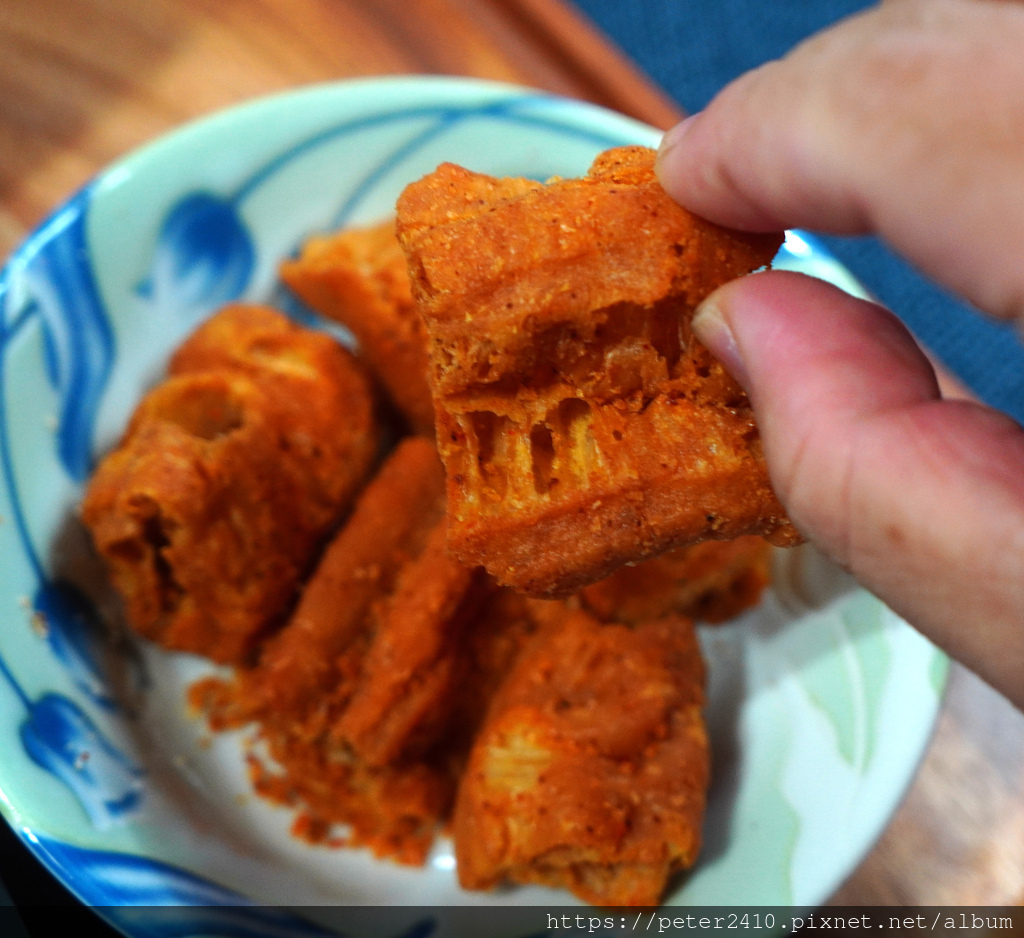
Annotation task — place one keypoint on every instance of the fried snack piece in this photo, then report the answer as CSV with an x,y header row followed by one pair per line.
x,y
377,632
408,685
390,524
711,582
491,646
359,278
213,506
324,414
591,768
580,424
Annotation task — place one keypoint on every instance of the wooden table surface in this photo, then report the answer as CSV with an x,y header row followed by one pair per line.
x,y
83,81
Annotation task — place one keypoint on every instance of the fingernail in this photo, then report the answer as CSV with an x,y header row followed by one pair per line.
x,y
712,329
673,137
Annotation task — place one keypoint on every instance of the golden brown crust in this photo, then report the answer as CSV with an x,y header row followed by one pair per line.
x,y
359,278
591,769
580,424
389,525
322,406
409,681
710,582
378,632
221,492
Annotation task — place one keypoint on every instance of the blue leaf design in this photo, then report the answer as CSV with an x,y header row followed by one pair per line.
x,y
61,738
108,878
78,341
204,256
51,358
150,899
72,626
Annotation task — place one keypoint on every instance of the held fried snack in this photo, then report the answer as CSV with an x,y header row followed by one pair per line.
x,y
580,424
364,707
591,768
359,278
227,480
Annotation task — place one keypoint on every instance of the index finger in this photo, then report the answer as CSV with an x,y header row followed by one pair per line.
x,y
906,121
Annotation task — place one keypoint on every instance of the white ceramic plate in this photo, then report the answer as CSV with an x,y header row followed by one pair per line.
x,y
821,700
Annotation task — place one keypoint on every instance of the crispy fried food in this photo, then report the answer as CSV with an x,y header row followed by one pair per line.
x,y
580,424
711,582
324,416
352,696
390,524
216,501
394,811
591,768
359,278
492,645
409,681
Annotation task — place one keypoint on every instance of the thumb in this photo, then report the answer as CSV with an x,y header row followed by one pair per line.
x,y
922,499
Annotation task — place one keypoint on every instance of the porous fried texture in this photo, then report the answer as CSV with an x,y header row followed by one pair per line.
x,y
397,808
358,277
350,699
711,582
581,425
389,525
323,407
214,505
591,769
409,681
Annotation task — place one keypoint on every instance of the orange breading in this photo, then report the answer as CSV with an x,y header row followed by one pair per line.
x,y
359,278
409,681
221,492
324,415
711,582
591,769
580,424
390,524
378,630
394,811
492,645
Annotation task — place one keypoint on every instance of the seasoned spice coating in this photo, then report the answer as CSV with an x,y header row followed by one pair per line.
x,y
358,277
591,769
712,582
231,474
351,698
581,425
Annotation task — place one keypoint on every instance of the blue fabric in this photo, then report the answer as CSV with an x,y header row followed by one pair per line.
x,y
692,48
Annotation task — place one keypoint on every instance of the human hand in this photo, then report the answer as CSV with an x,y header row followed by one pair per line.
x,y
906,121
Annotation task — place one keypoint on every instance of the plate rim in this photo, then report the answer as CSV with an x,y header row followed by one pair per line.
x,y
217,122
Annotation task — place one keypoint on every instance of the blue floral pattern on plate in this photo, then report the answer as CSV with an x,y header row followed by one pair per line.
x,y
204,256
103,291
